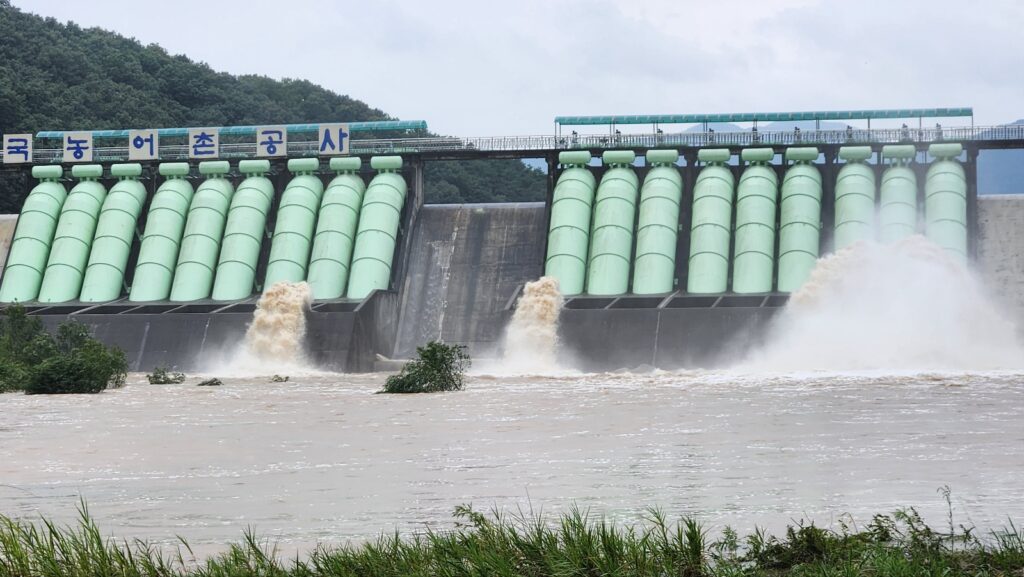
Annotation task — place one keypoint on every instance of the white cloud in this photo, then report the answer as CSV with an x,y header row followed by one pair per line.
x,y
480,67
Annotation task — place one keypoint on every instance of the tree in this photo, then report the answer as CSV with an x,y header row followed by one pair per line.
x,y
59,76
438,367
70,362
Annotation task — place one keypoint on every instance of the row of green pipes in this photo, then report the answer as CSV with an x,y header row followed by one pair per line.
x,y
205,242
590,239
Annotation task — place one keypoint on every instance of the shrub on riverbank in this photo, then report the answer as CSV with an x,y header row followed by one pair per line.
x,y
161,375
71,361
573,544
439,367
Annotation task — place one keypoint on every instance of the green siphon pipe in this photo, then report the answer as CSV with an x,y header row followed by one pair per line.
x,y
377,235
69,252
30,247
243,232
611,245
654,268
799,219
855,198
712,224
569,230
336,230
161,240
897,212
757,195
945,200
200,245
296,222
115,234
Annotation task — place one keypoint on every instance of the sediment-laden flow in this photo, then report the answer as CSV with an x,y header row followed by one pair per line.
x,y
277,334
910,306
531,339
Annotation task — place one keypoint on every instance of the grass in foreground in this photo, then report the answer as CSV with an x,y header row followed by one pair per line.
x,y
572,545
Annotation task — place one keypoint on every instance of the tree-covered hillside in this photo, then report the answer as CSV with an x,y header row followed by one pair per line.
x,y
57,76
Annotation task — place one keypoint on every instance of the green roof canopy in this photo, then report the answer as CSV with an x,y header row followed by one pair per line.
x,y
765,116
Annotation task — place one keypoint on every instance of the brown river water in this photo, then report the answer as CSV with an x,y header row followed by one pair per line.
x,y
321,458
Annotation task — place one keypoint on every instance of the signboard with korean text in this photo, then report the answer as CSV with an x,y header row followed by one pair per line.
x,y
334,139
271,141
143,144
203,143
77,147
17,148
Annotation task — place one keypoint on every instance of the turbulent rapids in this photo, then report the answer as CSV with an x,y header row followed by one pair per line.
x,y
278,329
908,306
276,339
531,339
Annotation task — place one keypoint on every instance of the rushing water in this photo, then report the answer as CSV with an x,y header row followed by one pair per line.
x,y
275,340
531,338
321,458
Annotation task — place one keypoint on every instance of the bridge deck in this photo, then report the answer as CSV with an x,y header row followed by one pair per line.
x,y
455,148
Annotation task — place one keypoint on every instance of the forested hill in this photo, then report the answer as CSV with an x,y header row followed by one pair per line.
x,y
60,76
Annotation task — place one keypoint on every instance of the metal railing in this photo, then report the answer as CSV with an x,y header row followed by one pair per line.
x,y
551,142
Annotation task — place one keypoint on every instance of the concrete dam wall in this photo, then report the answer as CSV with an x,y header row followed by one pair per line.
x,y
455,271
467,263
1001,250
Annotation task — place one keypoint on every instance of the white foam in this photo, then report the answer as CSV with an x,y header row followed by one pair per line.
x,y
905,307
275,341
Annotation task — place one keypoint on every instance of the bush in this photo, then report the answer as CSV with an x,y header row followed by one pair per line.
x,y
88,368
162,376
439,368
70,362
12,377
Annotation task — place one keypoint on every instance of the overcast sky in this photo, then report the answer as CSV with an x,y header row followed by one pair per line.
x,y
479,67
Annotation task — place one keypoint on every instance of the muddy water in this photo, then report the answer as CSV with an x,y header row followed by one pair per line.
x,y
322,459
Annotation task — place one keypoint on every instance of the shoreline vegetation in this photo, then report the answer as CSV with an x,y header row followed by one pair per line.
x,y
437,368
575,543
69,361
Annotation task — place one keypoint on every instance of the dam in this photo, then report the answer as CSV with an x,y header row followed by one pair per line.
x,y
672,249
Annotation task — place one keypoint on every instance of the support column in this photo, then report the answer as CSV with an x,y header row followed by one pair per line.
x,y
685,219
971,173
828,202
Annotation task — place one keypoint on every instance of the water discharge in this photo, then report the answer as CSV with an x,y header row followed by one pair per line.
x,y
275,342
904,307
531,338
